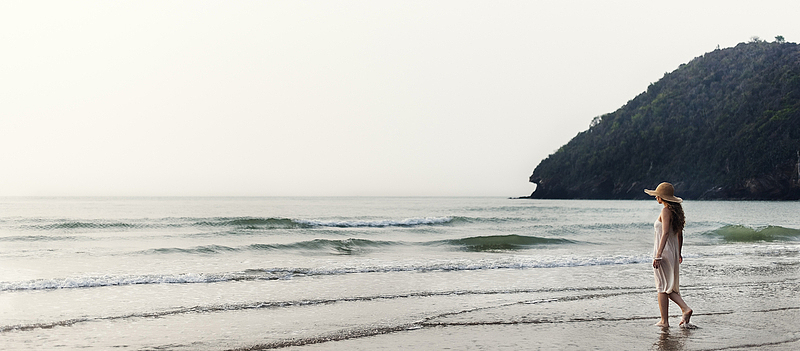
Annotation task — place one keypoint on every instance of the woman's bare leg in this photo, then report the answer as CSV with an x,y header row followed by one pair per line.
x,y
687,312
663,307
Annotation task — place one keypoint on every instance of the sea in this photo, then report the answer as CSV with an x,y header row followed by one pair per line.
x,y
396,273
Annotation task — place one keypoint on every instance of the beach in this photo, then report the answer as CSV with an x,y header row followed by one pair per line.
x,y
389,274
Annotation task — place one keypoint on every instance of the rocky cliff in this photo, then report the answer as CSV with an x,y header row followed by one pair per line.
x,y
726,125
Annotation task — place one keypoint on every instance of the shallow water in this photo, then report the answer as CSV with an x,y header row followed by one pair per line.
x,y
387,273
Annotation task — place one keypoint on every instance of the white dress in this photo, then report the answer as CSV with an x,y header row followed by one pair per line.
x,y
667,273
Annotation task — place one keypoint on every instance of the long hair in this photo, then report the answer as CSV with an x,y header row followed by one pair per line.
x,y
678,219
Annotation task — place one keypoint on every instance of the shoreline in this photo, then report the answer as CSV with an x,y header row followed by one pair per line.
x,y
586,320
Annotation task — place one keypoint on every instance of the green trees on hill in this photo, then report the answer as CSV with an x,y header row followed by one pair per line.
x,y
725,125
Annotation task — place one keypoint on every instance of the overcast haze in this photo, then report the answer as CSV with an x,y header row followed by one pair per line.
x,y
367,98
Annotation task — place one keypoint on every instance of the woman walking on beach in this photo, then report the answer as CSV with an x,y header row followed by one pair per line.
x,y
667,252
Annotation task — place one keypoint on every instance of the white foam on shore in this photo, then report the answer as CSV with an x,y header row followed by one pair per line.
x,y
100,281
517,262
505,262
378,223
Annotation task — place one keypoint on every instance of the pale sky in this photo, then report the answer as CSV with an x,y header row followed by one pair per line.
x,y
332,98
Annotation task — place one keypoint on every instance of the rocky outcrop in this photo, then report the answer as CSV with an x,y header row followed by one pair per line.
x,y
724,126
765,188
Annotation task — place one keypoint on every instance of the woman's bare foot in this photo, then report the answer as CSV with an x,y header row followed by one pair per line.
x,y
685,319
662,324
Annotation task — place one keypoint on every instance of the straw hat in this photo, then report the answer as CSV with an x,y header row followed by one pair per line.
x,y
665,191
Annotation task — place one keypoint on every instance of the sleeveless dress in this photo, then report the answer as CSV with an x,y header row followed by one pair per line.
x,y
667,273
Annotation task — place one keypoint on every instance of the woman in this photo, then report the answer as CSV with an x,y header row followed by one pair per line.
x,y
667,252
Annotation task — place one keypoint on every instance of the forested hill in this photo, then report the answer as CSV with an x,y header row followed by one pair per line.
x,y
724,126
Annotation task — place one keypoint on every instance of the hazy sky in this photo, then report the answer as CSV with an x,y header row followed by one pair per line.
x,y
376,98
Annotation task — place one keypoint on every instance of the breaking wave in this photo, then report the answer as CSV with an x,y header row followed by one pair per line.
x,y
410,222
351,246
502,242
36,238
288,223
229,222
740,233
98,224
344,246
291,273
250,222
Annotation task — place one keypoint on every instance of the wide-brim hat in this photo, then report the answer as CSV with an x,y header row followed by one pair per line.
x,y
665,191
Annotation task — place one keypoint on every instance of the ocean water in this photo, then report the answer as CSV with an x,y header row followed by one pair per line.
x,y
388,273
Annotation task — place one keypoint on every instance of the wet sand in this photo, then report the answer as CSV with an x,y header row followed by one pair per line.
x,y
740,315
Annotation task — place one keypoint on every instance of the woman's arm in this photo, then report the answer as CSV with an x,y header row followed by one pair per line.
x,y
680,247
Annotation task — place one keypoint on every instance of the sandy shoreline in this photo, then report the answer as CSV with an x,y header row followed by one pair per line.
x,y
733,316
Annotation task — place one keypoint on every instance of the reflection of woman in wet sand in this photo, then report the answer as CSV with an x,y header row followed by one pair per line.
x,y
667,252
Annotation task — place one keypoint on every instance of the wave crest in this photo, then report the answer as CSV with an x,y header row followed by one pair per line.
x,y
290,273
250,223
409,222
234,223
503,242
287,223
740,233
352,246
345,246
98,224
